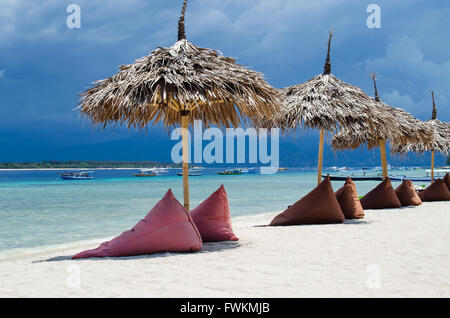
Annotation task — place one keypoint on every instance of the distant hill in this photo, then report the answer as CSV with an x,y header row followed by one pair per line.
x,y
54,164
298,151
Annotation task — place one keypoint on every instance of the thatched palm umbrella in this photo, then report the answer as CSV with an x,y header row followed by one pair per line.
x,y
401,128
440,143
326,103
178,85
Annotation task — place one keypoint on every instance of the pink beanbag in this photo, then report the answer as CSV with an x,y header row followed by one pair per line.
x,y
212,218
166,228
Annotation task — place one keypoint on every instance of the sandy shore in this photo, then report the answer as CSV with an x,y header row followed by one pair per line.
x,y
390,253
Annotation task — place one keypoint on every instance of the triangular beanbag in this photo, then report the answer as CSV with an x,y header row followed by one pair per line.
x,y
320,206
349,201
212,218
447,180
406,194
381,197
166,228
437,191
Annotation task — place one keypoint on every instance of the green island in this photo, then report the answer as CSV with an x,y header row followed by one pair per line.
x,y
55,164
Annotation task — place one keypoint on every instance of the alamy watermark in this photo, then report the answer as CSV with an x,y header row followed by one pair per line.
x,y
221,149
73,21
73,280
374,19
373,276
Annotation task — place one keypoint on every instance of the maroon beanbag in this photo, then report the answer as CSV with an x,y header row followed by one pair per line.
x,y
447,180
320,206
381,197
166,228
437,191
348,199
212,218
406,194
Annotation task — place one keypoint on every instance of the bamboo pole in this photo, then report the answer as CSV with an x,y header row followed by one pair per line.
x,y
383,157
433,116
432,166
184,133
319,164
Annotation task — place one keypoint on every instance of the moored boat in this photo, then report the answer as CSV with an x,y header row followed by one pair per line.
x,y
194,172
76,175
145,173
438,173
230,172
159,171
354,178
413,179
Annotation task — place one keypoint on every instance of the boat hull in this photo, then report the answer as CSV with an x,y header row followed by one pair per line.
x,y
354,178
76,178
413,179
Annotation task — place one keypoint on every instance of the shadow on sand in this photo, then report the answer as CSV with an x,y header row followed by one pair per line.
x,y
207,248
347,221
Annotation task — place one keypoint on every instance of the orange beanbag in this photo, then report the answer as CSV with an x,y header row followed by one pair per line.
x,y
212,218
447,180
437,191
406,194
381,197
349,201
320,206
166,228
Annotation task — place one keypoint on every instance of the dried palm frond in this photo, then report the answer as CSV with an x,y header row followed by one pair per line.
x,y
441,136
400,128
405,129
181,79
324,102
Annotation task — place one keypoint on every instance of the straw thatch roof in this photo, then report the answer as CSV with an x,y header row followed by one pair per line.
x,y
441,136
401,128
325,102
183,78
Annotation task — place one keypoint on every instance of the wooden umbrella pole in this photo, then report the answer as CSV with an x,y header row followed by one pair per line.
x,y
433,117
383,158
432,166
184,133
319,164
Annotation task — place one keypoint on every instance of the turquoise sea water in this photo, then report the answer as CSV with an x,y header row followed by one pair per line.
x,y
37,209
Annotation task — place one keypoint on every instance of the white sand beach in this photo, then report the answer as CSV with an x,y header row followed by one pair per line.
x,y
390,253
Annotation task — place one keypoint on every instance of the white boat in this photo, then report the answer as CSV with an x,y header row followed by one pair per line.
x,y
151,172
379,168
145,173
159,171
194,172
77,175
438,173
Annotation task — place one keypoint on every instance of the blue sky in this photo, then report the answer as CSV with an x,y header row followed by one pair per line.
x,y
44,64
